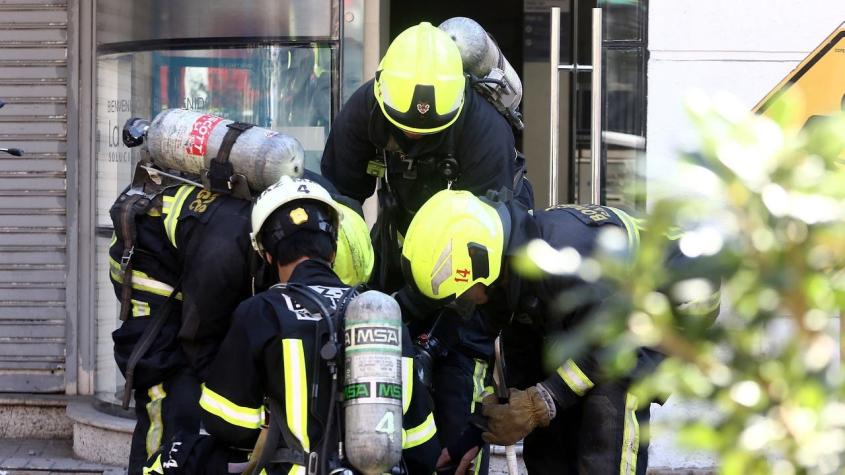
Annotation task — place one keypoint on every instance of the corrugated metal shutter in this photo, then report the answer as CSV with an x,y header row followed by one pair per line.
x,y
33,194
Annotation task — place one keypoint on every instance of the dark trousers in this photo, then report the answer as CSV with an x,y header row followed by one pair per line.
x,y
459,381
601,434
594,435
163,410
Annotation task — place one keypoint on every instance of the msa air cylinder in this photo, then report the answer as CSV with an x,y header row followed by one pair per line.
x,y
373,383
483,59
184,140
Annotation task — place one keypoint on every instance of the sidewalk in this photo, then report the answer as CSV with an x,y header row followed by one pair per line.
x,y
39,457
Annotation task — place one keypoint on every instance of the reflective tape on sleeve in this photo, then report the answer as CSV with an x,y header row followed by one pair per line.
x,y
420,434
140,308
141,281
572,375
241,416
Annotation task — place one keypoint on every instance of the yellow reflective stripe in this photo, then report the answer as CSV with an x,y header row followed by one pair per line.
x,y
572,375
155,467
166,205
478,374
241,416
297,470
630,437
296,390
419,434
113,239
407,382
174,210
631,228
141,281
156,429
477,462
140,308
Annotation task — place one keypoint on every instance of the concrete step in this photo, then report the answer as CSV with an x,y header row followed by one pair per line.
x,y
44,456
98,436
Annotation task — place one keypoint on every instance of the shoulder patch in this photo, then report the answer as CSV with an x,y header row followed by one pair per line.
x,y
591,215
331,294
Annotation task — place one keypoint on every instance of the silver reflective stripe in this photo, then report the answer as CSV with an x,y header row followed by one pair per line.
x,y
419,434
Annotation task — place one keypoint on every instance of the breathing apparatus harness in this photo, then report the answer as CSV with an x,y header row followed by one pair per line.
x,y
322,460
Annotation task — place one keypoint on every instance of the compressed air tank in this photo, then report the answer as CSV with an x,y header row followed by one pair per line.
x,y
373,383
184,140
483,59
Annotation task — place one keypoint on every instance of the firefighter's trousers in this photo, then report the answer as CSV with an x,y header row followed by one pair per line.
x,y
600,434
459,382
162,411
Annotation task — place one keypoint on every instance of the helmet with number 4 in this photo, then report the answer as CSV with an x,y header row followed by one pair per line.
x,y
324,217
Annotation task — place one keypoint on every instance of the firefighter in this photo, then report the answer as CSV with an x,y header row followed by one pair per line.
x,y
188,264
273,349
182,263
419,127
574,420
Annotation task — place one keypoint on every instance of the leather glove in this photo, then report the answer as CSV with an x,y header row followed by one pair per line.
x,y
511,422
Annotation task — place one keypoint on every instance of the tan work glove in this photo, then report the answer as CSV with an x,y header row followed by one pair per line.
x,y
509,423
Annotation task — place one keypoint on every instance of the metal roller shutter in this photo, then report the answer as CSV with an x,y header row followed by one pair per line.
x,y
33,194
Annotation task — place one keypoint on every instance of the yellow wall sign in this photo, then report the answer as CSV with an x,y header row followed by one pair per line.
x,y
819,81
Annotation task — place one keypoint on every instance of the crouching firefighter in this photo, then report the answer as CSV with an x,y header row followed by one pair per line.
x,y
282,356
576,419
180,264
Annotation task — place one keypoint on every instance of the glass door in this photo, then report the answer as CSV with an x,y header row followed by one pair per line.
x,y
615,90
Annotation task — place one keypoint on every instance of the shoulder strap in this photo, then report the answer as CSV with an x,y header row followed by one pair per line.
x,y
294,452
146,340
131,203
136,200
221,177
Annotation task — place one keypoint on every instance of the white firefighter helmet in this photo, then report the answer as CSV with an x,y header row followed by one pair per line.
x,y
284,191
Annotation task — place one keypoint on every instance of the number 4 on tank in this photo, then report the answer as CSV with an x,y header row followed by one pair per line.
x,y
385,425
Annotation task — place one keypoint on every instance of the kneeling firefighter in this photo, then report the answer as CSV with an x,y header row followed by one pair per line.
x,y
180,262
282,353
575,420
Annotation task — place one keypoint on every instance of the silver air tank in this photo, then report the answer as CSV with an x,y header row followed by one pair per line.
x,y
373,383
483,59
184,140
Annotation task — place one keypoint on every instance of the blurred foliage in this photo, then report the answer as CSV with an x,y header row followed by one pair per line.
x,y
765,209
